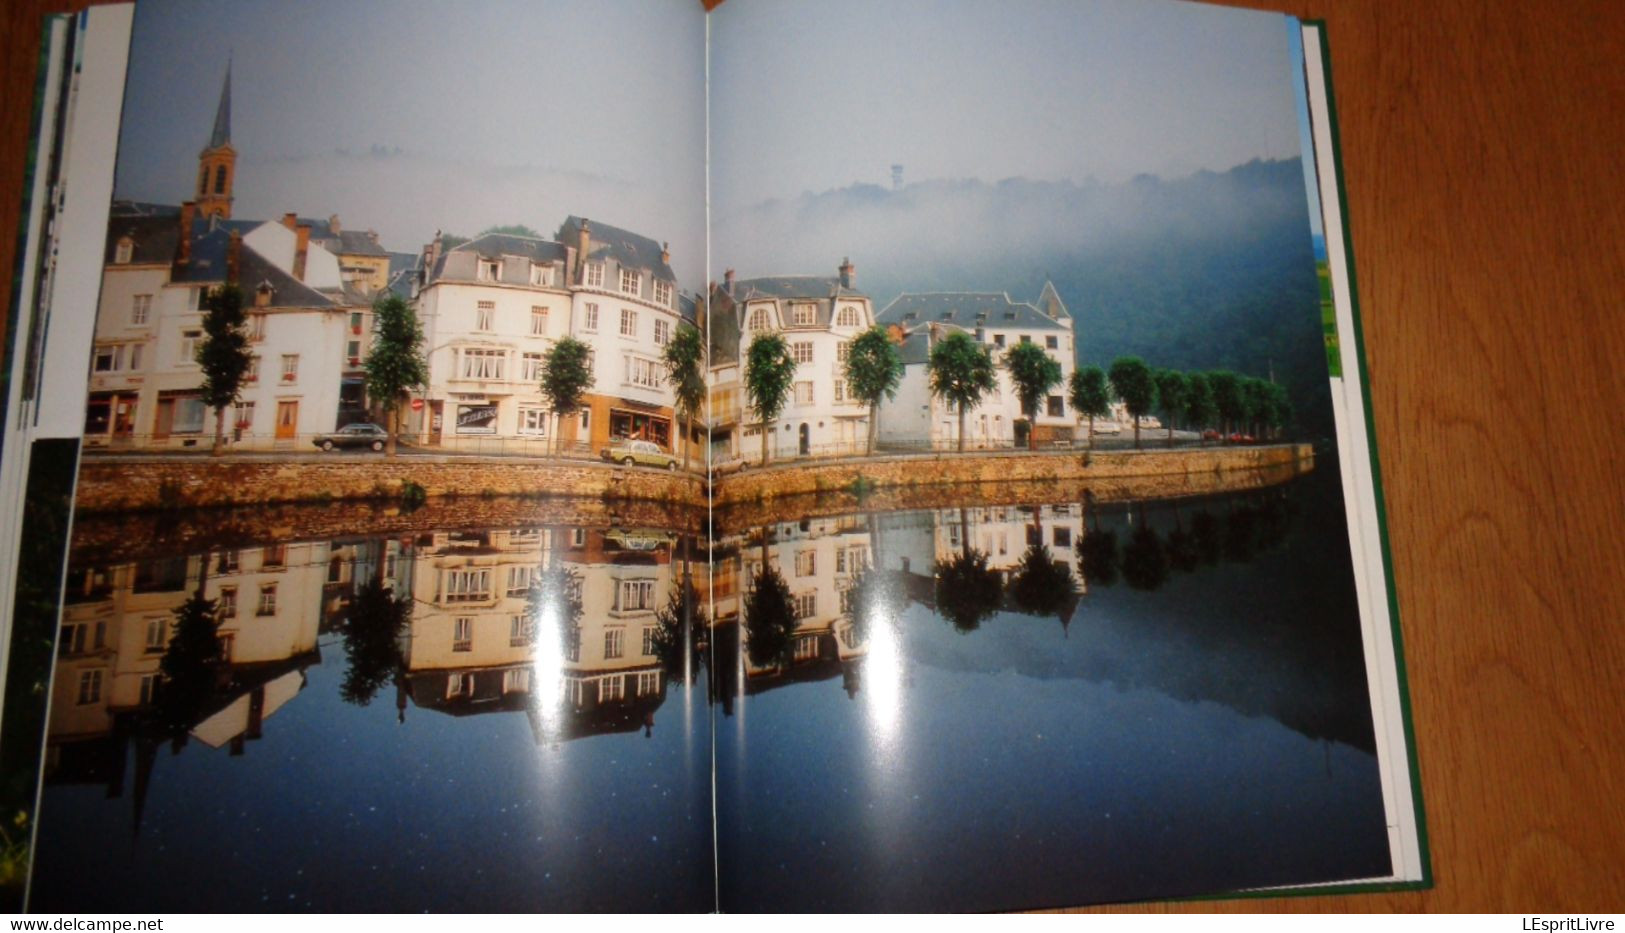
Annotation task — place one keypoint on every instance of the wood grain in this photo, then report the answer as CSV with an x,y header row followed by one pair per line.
x,y
1482,150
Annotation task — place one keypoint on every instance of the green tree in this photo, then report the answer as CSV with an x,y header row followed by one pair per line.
x,y
1172,389
674,644
1255,397
566,376
395,363
1033,373
1226,398
190,664
770,371
967,591
224,355
874,370
1090,396
770,617
685,367
1199,408
1280,407
1132,380
961,373
371,630
1040,586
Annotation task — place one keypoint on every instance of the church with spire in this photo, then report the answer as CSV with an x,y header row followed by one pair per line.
x,y
217,163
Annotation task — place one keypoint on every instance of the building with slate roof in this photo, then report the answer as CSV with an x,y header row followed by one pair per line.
x,y
308,289
918,418
493,306
818,316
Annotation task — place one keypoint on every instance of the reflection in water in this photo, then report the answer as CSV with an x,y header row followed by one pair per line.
x,y
557,626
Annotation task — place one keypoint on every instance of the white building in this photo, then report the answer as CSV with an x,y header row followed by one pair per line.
x,y
918,418
818,318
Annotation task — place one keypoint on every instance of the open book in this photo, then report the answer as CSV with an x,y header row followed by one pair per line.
x,y
802,456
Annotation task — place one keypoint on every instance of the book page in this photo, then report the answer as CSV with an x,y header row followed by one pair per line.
x,y
386,506
1031,571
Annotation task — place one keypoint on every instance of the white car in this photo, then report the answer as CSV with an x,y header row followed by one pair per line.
x,y
1108,427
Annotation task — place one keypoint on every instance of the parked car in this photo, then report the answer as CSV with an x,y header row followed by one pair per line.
x,y
1212,435
1239,438
645,453
1108,427
354,435
727,463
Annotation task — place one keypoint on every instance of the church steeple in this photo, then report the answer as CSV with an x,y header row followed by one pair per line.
x,y
217,163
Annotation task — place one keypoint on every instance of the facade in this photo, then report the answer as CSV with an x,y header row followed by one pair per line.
x,y
917,418
818,318
492,307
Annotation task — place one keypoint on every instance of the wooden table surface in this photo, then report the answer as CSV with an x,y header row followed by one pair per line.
x,y
1484,154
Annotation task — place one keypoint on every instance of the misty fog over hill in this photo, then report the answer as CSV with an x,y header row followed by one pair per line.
x,y
1213,270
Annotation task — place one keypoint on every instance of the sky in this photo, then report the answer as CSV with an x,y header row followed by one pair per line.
x,y
412,117
807,97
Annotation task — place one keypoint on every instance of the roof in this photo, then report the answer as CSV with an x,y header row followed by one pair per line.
x,y
351,243
632,250
915,348
497,245
222,115
793,286
208,265
969,310
152,236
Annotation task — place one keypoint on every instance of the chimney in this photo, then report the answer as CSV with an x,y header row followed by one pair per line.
x,y
583,244
728,281
665,253
234,257
301,249
262,295
371,234
183,250
846,272
333,224
290,220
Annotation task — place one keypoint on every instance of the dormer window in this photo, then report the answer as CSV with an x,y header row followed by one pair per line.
x,y
848,317
662,293
124,250
490,270
803,315
630,282
758,320
595,275
541,275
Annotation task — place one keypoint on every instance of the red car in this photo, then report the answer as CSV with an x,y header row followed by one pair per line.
x,y
1212,435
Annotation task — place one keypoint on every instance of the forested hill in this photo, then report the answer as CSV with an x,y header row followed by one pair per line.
x,y
1213,270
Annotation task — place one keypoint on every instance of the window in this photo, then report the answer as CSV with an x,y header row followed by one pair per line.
x,y
483,364
75,636
490,270
806,604
840,390
140,309
802,351
459,685
642,372
613,643
530,367
806,647
804,393
1054,407
484,315
149,689
648,683
190,341
806,563
220,180
355,322
541,275
228,602
124,250
589,317
629,322
107,358
586,413
578,537
467,585
635,595
758,320
520,632
1052,342
803,314
538,321
662,293
662,333
595,275
533,421
649,640
242,416
843,350
267,603
90,687
519,580
256,327
290,367
611,688
630,282
252,374
1063,537
1026,339
273,556
848,317
516,680
462,634
572,644
352,351
157,636
135,357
